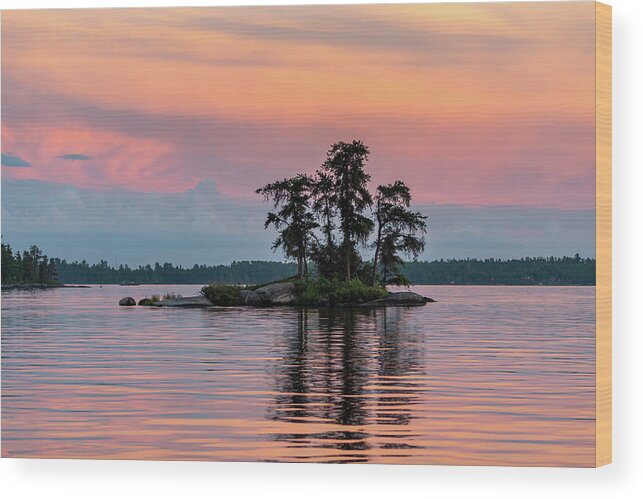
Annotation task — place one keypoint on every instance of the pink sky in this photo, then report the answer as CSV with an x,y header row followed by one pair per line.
x,y
474,104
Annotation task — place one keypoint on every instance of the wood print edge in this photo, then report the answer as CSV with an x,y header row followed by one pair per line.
x,y
603,234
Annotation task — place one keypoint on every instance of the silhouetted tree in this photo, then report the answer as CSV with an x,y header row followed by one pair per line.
x,y
293,220
28,267
567,270
324,204
344,166
9,265
399,230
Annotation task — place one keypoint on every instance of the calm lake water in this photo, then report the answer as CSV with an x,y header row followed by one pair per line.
x,y
487,375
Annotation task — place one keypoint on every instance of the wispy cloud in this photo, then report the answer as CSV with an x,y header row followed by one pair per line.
x,y
16,161
75,157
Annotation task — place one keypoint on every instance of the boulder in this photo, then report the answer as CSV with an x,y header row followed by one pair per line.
x,y
198,301
401,299
251,298
279,293
145,302
128,301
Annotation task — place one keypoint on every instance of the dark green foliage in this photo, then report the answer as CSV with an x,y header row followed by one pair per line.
x,y
399,280
344,168
565,271
336,291
325,258
29,267
399,231
524,271
9,265
336,202
224,295
236,273
293,219
324,251
325,204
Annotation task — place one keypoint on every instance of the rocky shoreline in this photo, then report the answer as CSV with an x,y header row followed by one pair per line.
x,y
278,294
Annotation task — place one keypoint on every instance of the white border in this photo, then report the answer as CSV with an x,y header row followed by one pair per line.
x,y
623,479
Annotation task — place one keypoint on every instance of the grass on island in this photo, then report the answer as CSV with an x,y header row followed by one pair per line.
x,y
156,298
223,295
336,291
320,291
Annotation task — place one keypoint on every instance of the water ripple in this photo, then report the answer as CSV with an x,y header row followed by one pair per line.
x,y
487,375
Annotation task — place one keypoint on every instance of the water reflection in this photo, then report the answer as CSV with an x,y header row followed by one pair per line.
x,y
485,376
349,368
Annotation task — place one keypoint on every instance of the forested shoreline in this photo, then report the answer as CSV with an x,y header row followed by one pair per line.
x,y
566,271
29,267
34,267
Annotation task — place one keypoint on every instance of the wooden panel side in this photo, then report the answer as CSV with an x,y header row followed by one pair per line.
x,y
603,234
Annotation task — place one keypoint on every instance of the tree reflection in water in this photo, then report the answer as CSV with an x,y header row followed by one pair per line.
x,y
352,370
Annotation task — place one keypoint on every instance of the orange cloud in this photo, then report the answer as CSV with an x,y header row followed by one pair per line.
x,y
459,95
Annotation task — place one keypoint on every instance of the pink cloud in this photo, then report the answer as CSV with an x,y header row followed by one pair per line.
x,y
113,159
477,105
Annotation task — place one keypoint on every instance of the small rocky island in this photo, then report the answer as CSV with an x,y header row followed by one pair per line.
x,y
275,294
325,221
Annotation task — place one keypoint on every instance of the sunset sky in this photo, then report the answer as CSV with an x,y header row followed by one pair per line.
x,y
141,134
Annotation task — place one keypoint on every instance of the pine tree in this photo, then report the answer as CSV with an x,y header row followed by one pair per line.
x,y
399,230
344,166
294,220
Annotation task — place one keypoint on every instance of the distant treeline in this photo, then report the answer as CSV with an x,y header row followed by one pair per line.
x,y
565,271
525,271
255,272
27,267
